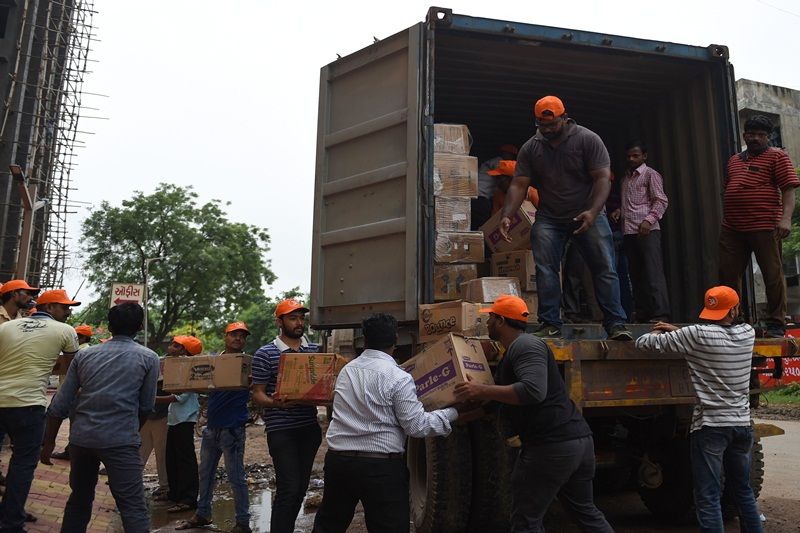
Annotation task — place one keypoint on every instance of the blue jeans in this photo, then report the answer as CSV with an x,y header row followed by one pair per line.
x,y
596,245
715,448
229,441
25,428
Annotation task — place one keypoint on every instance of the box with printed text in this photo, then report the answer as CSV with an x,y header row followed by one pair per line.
x,y
519,230
204,373
436,320
308,377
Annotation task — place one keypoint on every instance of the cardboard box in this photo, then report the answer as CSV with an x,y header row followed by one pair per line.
x,y
532,300
455,175
518,264
459,247
440,366
451,139
453,213
519,231
436,320
204,373
62,364
487,290
308,377
447,280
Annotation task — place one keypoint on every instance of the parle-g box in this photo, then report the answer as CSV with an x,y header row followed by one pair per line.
x,y
441,365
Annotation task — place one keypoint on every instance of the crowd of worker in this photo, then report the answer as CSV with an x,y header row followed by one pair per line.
x,y
119,414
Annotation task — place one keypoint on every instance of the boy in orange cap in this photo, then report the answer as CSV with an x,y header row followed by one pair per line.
x,y
481,207
503,173
293,432
719,354
557,455
182,474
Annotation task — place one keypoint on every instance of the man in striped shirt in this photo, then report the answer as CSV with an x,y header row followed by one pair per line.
x,y
719,355
375,407
758,205
293,433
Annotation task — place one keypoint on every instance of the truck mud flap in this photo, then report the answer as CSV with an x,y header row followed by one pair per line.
x,y
491,478
440,471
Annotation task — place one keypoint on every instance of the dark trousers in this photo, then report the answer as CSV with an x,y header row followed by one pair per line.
x,y
380,484
542,472
25,428
646,268
124,468
734,252
182,474
292,452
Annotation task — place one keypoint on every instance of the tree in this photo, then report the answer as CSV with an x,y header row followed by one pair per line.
x,y
791,245
212,267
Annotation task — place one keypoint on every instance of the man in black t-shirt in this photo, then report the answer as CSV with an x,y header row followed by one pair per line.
x,y
557,455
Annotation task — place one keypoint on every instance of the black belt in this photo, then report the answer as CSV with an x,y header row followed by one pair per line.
x,y
369,455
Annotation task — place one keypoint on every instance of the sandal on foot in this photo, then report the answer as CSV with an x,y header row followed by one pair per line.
x,y
194,522
180,507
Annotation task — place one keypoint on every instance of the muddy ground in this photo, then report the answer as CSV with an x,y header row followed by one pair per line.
x,y
779,501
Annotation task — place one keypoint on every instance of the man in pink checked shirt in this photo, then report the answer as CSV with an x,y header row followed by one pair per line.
x,y
643,204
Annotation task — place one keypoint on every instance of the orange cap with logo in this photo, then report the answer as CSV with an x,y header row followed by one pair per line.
x,y
548,108
237,326
193,345
289,306
505,167
509,306
17,285
718,302
84,330
58,296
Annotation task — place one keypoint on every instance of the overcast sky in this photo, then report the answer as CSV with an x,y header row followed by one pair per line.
x,y
223,95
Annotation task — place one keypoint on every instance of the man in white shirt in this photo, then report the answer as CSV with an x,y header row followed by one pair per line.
x,y
375,407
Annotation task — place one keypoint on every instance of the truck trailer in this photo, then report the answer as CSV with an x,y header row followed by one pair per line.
x,y
374,236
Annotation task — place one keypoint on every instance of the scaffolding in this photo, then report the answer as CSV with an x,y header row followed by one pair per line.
x,y
39,134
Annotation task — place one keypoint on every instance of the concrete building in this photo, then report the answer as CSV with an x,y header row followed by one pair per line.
x,y
780,104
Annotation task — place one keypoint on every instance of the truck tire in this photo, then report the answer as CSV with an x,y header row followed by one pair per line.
x,y
665,482
440,478
490,510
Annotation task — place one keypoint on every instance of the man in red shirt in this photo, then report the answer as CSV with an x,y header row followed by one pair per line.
x,y
758,205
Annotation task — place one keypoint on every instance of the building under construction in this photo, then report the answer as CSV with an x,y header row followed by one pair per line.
x,y
44,48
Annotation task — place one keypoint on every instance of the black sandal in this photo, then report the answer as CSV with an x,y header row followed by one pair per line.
x,y
194,522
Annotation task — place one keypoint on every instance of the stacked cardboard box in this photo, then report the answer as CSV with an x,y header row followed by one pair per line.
x,y
438,320
519,264
457,250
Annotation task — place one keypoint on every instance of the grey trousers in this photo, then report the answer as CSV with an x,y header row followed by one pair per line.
x,y
124,467
563,469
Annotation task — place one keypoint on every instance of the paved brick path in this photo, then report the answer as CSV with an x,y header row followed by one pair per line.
x,y
50,490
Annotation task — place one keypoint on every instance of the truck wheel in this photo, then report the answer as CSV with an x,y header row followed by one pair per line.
x,y
665,482
491,478
440,480
756,480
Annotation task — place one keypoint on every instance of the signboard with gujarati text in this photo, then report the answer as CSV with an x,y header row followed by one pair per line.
x,y
122,293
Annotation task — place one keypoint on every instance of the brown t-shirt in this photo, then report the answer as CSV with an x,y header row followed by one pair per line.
x,y
561,174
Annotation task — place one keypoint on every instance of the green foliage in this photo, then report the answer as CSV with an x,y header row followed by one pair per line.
x,y
214,268
788,394
260,319
791,245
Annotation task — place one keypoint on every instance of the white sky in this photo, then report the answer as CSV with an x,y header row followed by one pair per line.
x,y
223,95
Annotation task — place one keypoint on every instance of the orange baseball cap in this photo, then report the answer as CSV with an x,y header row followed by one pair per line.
x,y
718,302
17,285
508,148
237,326
288,306
552,105
84,329
193,345
505,167
58,296
509,306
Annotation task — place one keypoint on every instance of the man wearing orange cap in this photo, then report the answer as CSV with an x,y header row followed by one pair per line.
x,y
182,474
503,173
557,455
29,348
16,295
570,167
719,354
293,433
225,434
482,205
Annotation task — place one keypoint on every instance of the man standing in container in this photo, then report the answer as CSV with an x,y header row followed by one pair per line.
x,y
225,434
557,455
29,348
570,167
720,357
757,216
293,432
117,383
375,408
